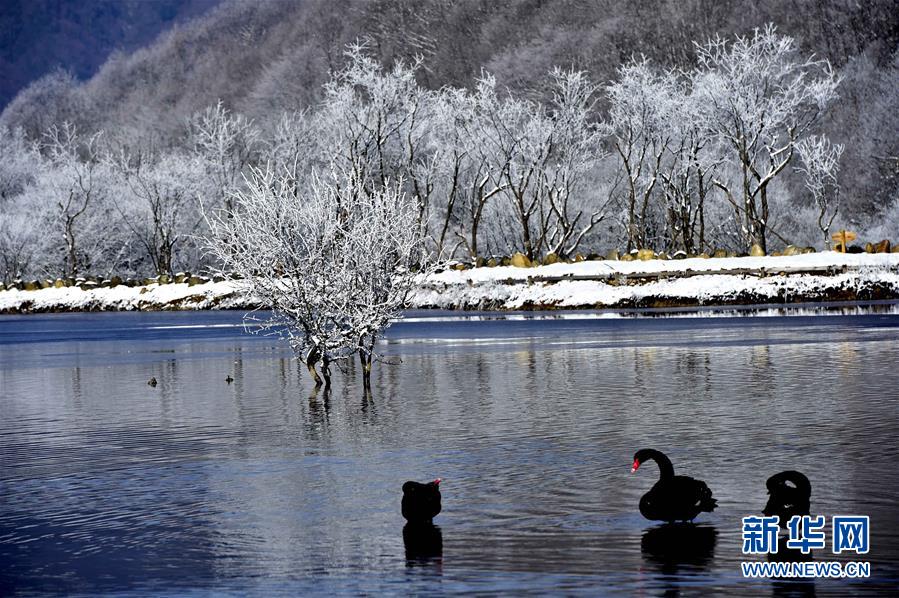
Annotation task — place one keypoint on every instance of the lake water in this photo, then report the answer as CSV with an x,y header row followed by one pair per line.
x,y
262,486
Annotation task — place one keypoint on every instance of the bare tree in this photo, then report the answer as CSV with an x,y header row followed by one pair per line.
x,y
688,169
576,210
74,186
334,265
642,113
820,165
227,142
464,163
761,99
161,204
375,124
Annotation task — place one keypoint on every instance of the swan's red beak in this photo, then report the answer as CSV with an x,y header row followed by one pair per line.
x,y
635,466
437,481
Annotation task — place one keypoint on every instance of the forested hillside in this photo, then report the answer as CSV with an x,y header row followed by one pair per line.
x,y
211,99
40,36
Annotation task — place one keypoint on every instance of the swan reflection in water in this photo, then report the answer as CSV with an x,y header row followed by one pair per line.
x,y
424,544
677,548
674,544
794,588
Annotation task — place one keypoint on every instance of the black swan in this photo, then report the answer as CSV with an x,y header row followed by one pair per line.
x,y
421,502
674,497
789,493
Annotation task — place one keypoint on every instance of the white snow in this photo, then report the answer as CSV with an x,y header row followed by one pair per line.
x,y
209,295
693,265
510,288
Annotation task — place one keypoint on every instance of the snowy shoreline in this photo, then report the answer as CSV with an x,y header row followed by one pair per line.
x,y
605,284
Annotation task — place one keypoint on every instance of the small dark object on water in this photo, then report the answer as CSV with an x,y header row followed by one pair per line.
x,y
674,497
421,502
152,381
789,493
229,379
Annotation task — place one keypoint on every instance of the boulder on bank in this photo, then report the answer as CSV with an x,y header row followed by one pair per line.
x,y
756,250
551,258
720,253
612,255
520,260
645,254
882,247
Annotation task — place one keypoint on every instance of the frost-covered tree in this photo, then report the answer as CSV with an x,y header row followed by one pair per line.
x,y
820,163
20,237
334,264
540,156
463,164
75,186
761,98
160,205
227,142
642,118
374,124
20,161
689,167
576,202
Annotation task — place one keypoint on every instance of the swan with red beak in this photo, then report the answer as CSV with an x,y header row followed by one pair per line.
x,y
673,497
421,502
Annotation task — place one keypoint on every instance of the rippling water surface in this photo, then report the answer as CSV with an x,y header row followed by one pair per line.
x,y
264,486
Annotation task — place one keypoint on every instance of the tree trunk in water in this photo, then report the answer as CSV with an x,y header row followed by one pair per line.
x,y
311,359
365,360
326,371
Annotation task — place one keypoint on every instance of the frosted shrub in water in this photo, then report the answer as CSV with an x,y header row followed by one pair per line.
x,y
333,261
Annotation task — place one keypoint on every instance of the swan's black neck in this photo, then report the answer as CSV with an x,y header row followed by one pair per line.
x,y
666,469
798,479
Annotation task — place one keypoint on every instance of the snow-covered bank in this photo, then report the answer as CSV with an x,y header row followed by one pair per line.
x,y
153,297
824,276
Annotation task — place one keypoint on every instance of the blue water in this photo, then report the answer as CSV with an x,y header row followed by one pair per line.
x,y
264,486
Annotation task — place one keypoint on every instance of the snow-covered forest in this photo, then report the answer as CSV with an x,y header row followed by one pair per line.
x,y
731,137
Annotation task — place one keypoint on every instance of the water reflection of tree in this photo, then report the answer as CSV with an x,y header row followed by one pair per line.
x,y
318,415
697,370
762,370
